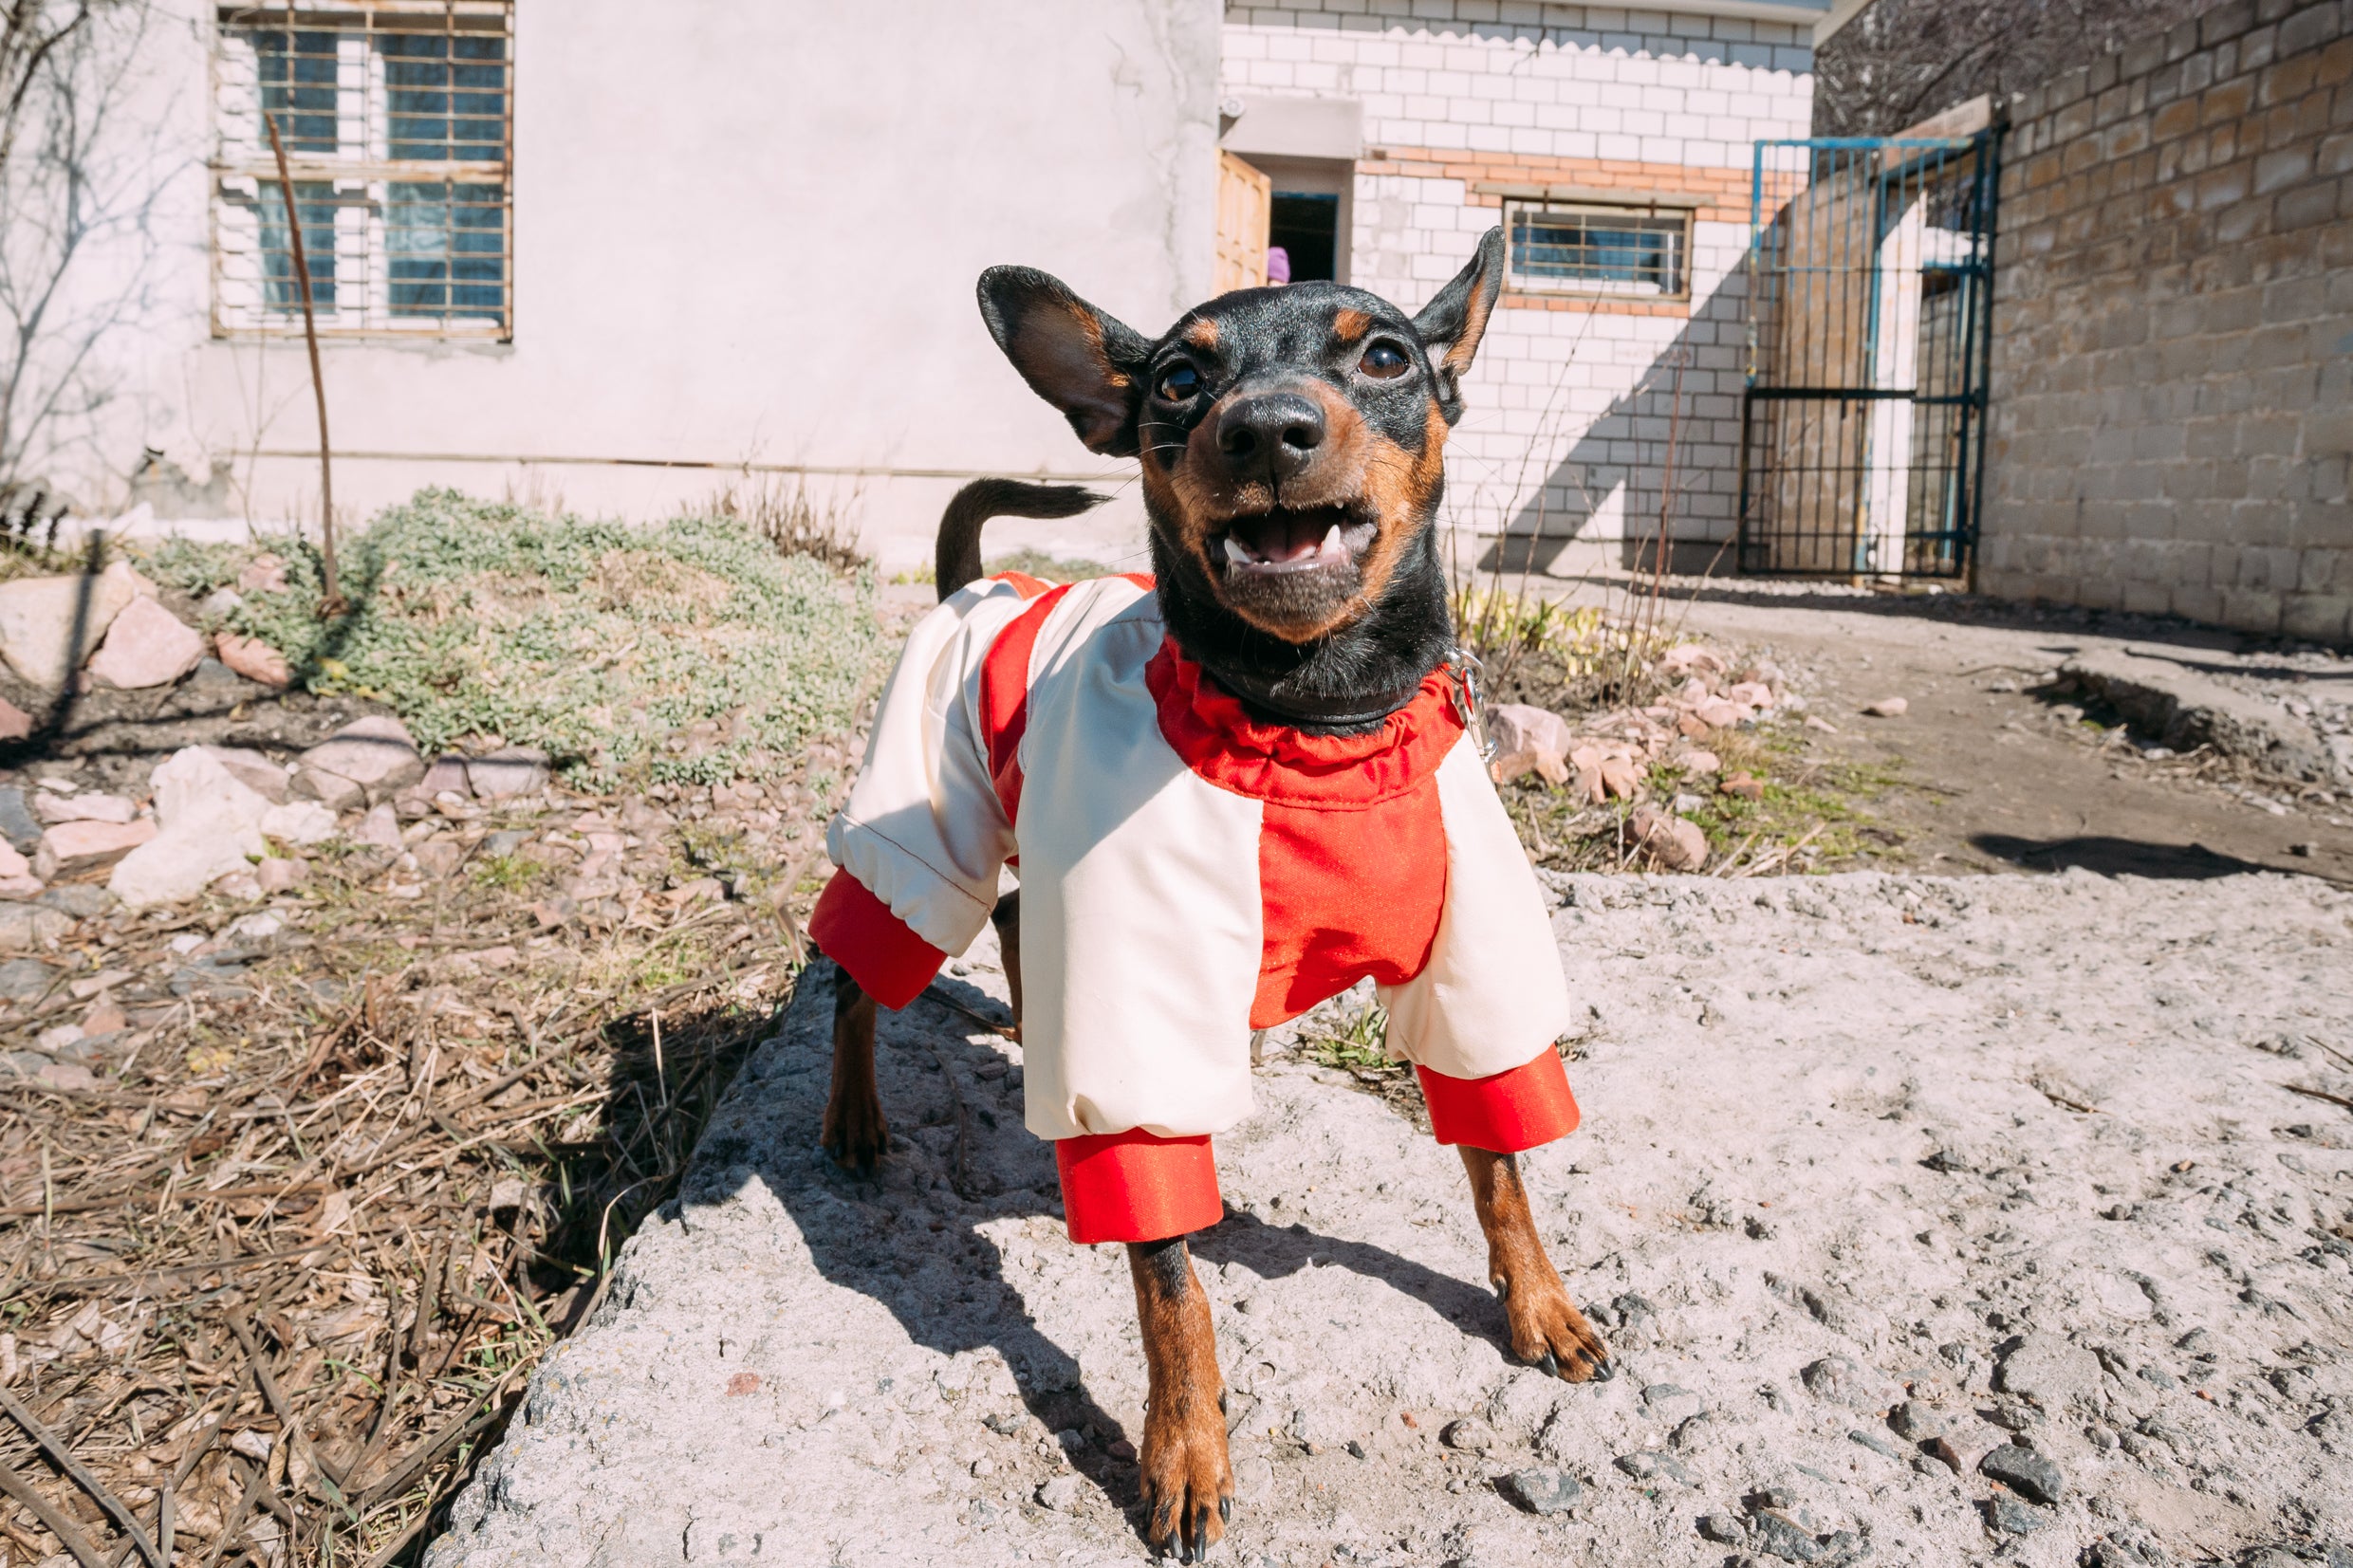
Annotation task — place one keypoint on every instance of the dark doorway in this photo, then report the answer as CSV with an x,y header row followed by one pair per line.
x,y
1306,225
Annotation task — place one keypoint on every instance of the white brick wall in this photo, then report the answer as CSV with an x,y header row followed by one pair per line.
x,y
1569,409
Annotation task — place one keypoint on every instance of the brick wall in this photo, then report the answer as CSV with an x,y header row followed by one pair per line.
x,y
1572,404
2173,354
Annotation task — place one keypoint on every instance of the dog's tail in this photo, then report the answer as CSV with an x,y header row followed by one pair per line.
x,y
958,561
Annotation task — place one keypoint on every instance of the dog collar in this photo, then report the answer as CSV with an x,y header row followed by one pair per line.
x,y
1304,708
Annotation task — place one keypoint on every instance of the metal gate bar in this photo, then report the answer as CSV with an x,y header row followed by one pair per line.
x,y
1862,416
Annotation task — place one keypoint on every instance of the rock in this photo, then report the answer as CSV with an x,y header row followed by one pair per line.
x,y
17,823
1678,844
2048,1370
263,574
104,1019
15,723
1543,1491
1064,1494
38,615
221,602
88,807
1750,693
253,770
331,790
299,823
75,849
1524,727
439,857
1651,1464
1915,1421
1887,708
514,770
379,827
78,903
1724,1529
1669,1402
373,754
1696,761
67,1075
147,646
2024,1471
1621,776
241,885
212,828
14,867
1877,1444
281,873
25,980
1777,1534
1686,658
1470,1435
1718,713
2006,1515
254,660
1841,1380
448,773
1815,721
1745,785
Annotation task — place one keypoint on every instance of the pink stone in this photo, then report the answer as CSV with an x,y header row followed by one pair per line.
x,y
147,645
70,849
254,660
15,723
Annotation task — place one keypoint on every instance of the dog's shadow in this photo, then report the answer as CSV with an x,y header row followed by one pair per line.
x,y
910,1236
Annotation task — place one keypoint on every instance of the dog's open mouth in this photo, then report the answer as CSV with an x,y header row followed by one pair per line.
x,y
1284,541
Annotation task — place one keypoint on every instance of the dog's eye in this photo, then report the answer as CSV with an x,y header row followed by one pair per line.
x,y
1178,383
1384,361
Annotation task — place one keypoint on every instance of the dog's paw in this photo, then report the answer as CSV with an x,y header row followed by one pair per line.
x,y
854,1132
1187,1483
1547,1331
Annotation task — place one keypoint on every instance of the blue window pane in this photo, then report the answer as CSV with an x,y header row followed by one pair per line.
x,y
297,78
446,249
445,96
281,289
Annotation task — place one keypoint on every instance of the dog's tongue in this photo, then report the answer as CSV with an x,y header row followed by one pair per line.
x,y
1284,537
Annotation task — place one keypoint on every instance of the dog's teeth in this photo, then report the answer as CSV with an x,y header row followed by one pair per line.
x,y
1332,549
1235,553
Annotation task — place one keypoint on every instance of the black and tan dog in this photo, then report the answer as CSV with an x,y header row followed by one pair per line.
x,y
1292,445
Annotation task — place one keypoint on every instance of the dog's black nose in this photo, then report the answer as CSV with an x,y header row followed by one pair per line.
x,y
1270,434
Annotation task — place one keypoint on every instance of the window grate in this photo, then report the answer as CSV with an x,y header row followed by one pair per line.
x,y
398,121
1606,253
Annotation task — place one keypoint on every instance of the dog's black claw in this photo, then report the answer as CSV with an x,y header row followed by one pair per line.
x,y
1551,1365
1603,1371
1225,1509
1200,1533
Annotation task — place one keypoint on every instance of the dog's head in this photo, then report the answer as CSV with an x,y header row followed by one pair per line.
x,y
1292,438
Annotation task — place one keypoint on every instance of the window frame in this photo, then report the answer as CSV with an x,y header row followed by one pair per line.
x,y
242,178
1651,212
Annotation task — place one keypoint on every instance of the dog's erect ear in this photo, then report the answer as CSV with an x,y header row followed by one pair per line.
x,y
1452,325
1082,361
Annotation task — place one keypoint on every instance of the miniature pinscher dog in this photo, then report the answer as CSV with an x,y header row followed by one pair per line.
x,y
1291,441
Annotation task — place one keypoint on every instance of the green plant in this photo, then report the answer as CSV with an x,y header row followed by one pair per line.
x,y
688,651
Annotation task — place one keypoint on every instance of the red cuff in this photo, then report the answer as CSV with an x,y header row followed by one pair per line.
x,y
882,953
1526,1106
1134,1187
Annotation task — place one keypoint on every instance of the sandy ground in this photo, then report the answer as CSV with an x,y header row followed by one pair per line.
x,y
2017,1145
2003,776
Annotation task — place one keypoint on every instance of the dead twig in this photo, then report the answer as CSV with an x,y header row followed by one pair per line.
x,y
2318,1093
64,1457
332,605
56,1523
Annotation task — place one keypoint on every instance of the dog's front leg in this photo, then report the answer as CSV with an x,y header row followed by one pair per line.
x,y
1188,1486
853,1131
1547,1328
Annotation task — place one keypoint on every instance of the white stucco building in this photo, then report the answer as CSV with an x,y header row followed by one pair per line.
x,y
624,256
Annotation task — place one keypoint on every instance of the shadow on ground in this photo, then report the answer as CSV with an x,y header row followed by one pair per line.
x,y
910,1237
2114,856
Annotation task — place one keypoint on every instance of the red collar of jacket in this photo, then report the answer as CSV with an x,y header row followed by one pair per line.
x,y
1217,738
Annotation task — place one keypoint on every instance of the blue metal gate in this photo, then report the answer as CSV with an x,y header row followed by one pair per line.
x,y
1870,286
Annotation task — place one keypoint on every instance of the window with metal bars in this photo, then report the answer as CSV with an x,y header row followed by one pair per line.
x,y
1604,251
397,118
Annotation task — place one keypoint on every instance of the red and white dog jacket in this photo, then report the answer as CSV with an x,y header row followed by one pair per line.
x,y
1188,873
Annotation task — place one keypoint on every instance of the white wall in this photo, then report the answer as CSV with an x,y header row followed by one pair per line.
x,y
741,233
1570,408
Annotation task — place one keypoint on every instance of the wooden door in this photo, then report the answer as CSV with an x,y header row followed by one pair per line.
x,y
1245,203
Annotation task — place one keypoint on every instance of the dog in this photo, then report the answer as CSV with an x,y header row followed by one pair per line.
x,y
1235,787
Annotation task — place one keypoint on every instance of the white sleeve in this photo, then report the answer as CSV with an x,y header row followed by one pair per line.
x,y
923,829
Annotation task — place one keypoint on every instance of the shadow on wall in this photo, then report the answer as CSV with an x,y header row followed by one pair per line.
x,y
911,1237
1655,448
